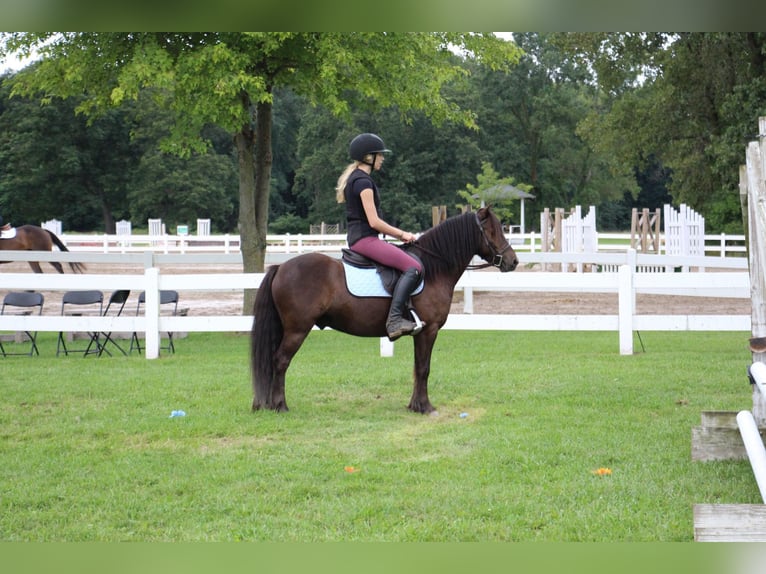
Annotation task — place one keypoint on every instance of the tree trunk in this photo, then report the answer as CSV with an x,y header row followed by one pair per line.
x,y
109,225
255,159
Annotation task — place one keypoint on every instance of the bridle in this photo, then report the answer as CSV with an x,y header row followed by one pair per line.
x,y
497,254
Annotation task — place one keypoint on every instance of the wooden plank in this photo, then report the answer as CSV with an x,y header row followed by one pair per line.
x,y
719,419
755,171
730,522
711,443
718,437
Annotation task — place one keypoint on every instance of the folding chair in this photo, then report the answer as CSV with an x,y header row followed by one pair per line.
x,y
119,297
167,298
78,303
24,303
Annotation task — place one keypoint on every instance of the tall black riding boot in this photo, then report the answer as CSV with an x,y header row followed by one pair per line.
x,y
396,324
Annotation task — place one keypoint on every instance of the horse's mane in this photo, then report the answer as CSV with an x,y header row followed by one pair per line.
x,y
449,246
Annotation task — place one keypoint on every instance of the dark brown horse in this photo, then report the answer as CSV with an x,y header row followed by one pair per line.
x,y
33,238
311,290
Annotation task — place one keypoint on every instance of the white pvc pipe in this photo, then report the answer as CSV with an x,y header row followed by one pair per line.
x,y
755,449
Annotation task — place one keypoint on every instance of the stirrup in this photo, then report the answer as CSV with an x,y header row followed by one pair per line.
x,y
418,323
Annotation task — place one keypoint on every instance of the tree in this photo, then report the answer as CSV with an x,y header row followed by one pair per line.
x,y
500,192
229,79
54,165
690,101
529,118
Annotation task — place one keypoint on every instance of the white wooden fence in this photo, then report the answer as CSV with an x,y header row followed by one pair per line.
x,y
721,245
579,233
626,283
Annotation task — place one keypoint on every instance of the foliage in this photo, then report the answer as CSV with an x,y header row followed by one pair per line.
x,y
289,223
689,100
90,453
612,120
492,190
530,131
88,174
228,79
55,166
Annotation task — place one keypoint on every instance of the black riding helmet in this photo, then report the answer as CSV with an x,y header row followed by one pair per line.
x,y
365,144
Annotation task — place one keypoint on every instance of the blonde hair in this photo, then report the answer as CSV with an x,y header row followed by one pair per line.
x,y
340,189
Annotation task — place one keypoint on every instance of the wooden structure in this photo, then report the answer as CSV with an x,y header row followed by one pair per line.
x,y
438,214
645,230
716,439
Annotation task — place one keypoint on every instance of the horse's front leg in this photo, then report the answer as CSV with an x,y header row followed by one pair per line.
x,y
424,344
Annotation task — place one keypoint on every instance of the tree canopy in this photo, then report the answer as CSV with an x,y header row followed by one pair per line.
x,y
228,79
252,130
689,101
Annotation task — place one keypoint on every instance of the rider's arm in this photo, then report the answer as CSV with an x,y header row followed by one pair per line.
x,y
368,202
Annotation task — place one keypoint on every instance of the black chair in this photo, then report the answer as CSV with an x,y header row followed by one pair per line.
x,y
77,303
24,304
168,299
118,300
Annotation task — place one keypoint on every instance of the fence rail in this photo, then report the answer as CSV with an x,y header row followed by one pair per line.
x,y
626,282
721,245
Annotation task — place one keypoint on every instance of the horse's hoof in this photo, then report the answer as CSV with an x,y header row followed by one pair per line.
x,y
422,409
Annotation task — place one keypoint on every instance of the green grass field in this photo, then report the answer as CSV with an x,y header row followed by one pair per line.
x,y
89,451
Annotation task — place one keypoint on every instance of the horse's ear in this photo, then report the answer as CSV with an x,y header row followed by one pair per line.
x,y
484,212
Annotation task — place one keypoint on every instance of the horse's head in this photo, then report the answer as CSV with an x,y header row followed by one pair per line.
x,y
495,248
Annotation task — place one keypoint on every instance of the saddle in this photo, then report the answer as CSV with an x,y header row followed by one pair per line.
x,y
7,232
388,275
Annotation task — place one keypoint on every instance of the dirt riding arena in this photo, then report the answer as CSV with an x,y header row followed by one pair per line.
x,y
532,303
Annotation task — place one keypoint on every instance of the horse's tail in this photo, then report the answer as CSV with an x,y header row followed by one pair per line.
x,y
264,341
76,266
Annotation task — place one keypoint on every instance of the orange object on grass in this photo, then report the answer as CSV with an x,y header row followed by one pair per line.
x,y
603,471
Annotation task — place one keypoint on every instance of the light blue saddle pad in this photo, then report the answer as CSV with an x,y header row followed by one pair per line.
x,y
367,283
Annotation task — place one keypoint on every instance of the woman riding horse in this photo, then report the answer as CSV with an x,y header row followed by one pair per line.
x,y
360,194
311,289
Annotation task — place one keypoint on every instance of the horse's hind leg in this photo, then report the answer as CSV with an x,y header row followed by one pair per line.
x,y
35,266
57,266
290,344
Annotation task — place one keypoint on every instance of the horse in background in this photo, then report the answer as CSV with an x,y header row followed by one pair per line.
x,y
33,238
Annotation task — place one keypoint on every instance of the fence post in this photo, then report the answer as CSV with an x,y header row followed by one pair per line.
x,y
152,313
626,308
468,295
756,217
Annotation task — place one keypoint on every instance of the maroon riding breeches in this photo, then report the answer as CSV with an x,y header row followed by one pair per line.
x,y
386,253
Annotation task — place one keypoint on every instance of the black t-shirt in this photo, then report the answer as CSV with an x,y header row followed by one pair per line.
x,y
358,226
